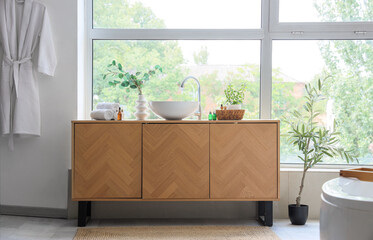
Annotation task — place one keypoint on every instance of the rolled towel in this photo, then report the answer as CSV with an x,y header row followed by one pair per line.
x,y
103,114
113,106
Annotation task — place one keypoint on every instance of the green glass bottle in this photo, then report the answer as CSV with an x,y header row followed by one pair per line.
x,y
214,116
210,116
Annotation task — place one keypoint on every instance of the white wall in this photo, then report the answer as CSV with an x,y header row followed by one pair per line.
x,y
289,187
35,174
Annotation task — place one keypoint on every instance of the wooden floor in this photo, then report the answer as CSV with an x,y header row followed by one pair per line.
x,y
30,228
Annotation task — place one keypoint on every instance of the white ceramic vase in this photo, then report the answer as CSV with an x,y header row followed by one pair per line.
x,y
234,107
141,108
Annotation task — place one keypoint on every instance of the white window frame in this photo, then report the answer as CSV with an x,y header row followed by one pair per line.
x,y
271,30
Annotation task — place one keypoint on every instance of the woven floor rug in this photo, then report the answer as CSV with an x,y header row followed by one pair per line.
x,y
176,233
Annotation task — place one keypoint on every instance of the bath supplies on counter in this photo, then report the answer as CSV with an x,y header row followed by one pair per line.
x,y
230,114
119,115
112,106
210,116
103,114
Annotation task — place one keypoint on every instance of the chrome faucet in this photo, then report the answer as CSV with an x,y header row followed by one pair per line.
x,y
199,111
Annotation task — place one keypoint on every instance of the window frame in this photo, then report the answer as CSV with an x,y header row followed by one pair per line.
x,y
271,30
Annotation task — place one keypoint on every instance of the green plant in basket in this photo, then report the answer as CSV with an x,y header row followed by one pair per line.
x,y
235,96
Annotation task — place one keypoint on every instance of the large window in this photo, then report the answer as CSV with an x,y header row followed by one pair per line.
x,y
274,47
215,63
325,11
348,92
190,14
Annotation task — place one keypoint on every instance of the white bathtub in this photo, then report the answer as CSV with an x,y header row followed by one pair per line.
x,y
346,210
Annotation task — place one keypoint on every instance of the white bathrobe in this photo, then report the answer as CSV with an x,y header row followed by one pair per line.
x,y
26,42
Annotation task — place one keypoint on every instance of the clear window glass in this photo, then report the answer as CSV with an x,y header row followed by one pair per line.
x,y
215,63
193,14
349,91
325,11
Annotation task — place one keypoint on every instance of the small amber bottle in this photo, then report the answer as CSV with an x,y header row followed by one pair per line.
x,y
119,115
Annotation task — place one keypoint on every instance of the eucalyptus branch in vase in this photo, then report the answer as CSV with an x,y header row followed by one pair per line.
x,y
126,79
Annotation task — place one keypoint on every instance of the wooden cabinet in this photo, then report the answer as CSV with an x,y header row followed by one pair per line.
x,y
175,161
244,161
106,161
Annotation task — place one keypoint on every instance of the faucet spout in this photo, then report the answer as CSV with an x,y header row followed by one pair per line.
x,y
199,111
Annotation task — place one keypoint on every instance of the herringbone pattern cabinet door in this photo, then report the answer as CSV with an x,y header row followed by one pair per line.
x,y
175,161
107,161
244,161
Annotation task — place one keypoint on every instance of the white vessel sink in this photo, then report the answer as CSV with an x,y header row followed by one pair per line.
x,y
173,110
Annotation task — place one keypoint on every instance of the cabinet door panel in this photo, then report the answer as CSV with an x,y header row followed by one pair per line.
x,y
107,161
175,161
244,161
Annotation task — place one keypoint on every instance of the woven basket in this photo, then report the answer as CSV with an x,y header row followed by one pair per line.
x,y
230,114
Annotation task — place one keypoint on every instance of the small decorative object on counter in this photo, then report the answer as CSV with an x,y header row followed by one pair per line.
x,y
221,107
225,107
210,116
119,117
214,116
230,114
141,108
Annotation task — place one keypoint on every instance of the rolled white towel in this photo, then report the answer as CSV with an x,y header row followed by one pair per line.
x,y
103,105
103,114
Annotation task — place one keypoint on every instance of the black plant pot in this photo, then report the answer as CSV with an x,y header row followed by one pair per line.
x,y
298,215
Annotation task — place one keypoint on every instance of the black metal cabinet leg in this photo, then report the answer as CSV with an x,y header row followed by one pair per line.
x,y
84,213
265,213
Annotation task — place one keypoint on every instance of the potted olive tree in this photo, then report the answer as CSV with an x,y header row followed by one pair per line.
x,y
314,142
234,98
128,80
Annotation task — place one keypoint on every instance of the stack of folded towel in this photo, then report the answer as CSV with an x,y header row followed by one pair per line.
x,y
105,111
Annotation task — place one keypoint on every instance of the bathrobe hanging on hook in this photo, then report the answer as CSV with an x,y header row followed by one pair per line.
x,y
27,44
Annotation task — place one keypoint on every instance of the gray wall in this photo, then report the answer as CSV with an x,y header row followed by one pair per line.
x,y
35,174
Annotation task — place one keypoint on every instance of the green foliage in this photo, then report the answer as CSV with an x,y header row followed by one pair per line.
x,y
312,140
202,56
233,96
351,62
128,80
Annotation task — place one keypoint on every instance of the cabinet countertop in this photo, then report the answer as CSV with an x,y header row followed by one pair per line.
x,y
160,121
